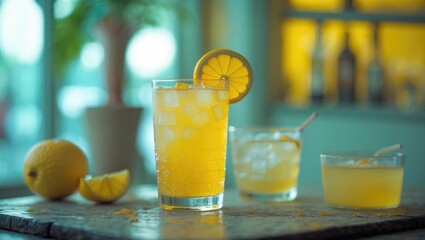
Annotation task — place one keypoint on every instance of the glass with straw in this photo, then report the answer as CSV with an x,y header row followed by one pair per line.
x,y
364,180
266,161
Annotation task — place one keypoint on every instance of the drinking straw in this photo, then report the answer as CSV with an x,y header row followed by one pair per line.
x,y
308,121
388,149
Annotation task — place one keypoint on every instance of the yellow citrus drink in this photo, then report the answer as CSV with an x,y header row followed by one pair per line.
x,y
266,165
190,126
360,186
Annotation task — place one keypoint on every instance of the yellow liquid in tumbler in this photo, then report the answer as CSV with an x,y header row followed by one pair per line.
x,y
267,166
362,187
190,140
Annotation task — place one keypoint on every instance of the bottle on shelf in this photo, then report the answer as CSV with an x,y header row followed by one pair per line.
x,y
375,74
317,77
410,94
346,73
348,5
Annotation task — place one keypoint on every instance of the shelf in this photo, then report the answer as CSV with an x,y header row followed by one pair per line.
x,y
356,16
379,113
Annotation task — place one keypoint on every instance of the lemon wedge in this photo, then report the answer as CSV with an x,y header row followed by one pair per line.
x,y
106,188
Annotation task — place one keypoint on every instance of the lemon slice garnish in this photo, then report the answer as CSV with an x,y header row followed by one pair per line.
x,y
228,66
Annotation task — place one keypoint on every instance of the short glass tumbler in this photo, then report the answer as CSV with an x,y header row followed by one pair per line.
x,y
361,180
266,162
190,131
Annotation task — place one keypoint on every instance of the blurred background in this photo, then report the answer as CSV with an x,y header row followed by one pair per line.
x,y
360,64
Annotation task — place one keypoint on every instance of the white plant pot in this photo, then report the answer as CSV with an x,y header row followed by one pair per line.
x,y
112,133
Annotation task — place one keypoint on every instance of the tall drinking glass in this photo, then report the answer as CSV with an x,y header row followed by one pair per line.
x,y
190,130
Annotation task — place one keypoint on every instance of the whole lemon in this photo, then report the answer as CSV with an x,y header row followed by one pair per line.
x,y
53,168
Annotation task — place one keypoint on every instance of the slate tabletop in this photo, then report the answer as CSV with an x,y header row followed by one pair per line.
x,y
307,217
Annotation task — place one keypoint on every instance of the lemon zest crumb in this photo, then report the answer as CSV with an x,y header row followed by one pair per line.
x,y
125,211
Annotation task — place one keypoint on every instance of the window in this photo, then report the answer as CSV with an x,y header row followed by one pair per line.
x,y
22,114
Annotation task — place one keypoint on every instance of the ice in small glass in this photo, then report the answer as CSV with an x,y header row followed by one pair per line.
x,y
266,162
362,180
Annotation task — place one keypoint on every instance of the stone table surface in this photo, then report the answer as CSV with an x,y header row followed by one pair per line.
x,y
307,217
